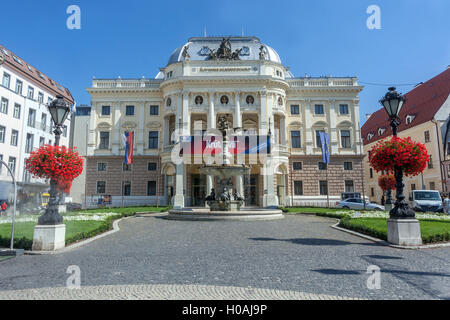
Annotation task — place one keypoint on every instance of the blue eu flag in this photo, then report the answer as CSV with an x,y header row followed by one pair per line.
x,y
325,144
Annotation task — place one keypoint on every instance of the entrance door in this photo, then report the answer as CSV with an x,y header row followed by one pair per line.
x,y
198,190
280,189
251,190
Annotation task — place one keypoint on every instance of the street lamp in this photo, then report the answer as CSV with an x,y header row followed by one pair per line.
x,y
59,110
392,103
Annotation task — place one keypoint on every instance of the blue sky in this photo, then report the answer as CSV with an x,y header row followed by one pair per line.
x,y
134,38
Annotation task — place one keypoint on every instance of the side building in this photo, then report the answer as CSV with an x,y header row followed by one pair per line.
x,y
244,80
25,122
423,117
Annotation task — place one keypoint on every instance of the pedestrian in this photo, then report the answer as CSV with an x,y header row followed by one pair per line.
x,y
447,204
3,208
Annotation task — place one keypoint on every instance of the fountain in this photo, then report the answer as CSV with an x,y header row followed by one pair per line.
x,y
228,203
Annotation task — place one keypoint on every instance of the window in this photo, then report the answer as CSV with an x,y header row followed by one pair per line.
x,y
104,140
44,122
349,186
432,185
153,140
106,110
318,109
16,113
30,94
102,166
152,166
372,192
151,188
12,164
345,139
6,80
198,100
430,163
322,166
101,187
371,173
295,109
40,97
126,167
2,134
154,110
298,188
318,141
14,137
126,188
297,166
64,131
49,100
29,143
295,139
19,86
343,109
427,136
32,118
129,110
323,187
4,106
348,166
41,141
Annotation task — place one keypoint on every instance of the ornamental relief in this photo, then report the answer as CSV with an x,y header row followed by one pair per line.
x,y
129,125
153,124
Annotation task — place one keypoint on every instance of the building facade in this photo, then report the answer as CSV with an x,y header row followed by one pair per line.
x,y
245,81
423,118
25,122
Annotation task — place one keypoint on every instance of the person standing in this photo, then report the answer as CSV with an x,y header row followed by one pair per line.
x,y
3,208
447,204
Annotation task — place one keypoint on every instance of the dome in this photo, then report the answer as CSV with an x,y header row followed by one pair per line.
x,y
199,48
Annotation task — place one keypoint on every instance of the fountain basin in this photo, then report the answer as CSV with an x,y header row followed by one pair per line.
x,y
205,214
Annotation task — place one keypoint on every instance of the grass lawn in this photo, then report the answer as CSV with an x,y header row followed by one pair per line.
x,y
431,231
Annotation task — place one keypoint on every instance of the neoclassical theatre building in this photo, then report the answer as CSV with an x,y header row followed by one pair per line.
x,y
244,80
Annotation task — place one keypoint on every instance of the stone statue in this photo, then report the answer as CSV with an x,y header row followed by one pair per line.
x,y
225,196
185,54
237,197
262,53
235,54
224,52
212,196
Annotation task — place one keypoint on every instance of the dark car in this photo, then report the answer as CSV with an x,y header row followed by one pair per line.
x,y
73,206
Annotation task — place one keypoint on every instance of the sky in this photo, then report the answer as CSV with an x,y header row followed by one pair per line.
x,y
135,38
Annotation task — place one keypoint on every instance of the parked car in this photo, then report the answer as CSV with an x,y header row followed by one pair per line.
x,y
349,195
73,206
426,201
358,204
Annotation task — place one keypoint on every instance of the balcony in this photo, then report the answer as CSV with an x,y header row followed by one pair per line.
x,y
125,83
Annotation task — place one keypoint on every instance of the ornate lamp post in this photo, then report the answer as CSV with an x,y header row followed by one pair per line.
x,y
392,103
59,110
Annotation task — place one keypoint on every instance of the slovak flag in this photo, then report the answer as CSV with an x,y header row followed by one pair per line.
x,y
128,143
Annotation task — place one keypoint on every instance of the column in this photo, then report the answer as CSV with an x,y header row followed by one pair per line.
x,y
263,114
270,199
283,131
179,175
272,100
333,135
140,133
356,121
116,132
237,123
91,139
166,131
210,125
309,138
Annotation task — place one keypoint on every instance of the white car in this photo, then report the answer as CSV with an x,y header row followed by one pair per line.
x,y
358,204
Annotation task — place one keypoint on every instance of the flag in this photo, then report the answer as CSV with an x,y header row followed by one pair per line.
x,y
128,143
325,145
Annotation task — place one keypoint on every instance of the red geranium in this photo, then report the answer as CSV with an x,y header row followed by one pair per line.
x,y
386,181
61,164
412,157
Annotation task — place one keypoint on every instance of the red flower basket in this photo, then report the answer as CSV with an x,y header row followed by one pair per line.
x,y
386,181
412,157
61,164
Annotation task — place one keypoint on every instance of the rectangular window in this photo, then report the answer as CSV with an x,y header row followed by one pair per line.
x,y
153,140
372,192
345,139
298,188
14,137
41,141
318,109
151,188
6,80
4,106
102,166
152,166
349,186
126,188
43,122
104,140
295,139
129,110
371,173
318,141
19,86
322,166
348,165
101,187
154,110
40,97
106,110
343,109
427,136
126,167
12,164
2,134
32,118
323,187
295,109
16,113
30,94
430,163
297,166
29,143
64,131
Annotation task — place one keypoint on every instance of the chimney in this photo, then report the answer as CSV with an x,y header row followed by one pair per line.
x,y
368,116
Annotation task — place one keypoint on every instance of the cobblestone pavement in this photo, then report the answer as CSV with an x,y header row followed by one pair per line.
x,y
300,254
